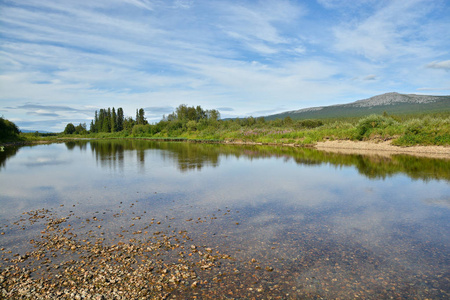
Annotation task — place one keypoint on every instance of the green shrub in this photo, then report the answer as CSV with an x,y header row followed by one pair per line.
x,y
414,126
426,131
308,124
139,130
366,125
191,125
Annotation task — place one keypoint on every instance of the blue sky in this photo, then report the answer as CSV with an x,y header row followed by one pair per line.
x,y
62,60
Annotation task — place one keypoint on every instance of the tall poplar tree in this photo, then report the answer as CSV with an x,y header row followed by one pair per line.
x,y
113,120
140,117
120,119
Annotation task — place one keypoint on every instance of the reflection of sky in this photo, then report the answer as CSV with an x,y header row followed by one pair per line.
x,y
273,195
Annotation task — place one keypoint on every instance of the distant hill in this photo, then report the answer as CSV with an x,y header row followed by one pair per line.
x,y
392,103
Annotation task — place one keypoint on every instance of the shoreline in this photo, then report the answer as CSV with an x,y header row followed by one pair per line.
x,y
373,147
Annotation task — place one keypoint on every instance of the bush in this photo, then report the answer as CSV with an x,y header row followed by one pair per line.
x,y
414,126
139,130
308,123
426,131
191,125
366,125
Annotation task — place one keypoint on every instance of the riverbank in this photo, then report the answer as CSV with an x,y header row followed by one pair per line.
x,y
382,148
366,148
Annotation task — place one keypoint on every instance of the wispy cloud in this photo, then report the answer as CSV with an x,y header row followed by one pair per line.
x,y
141,4
440,65
267,111
184,4
154,113
370,77
256,26
225,109
36,107
434,89
390,32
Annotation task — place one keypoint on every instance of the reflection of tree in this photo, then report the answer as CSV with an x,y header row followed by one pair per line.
x,y
187,156
374,166
371,166
72,144
192,156
6,153
80,144
109,153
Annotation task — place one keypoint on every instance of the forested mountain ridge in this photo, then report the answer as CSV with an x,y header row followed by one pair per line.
x,y
392,103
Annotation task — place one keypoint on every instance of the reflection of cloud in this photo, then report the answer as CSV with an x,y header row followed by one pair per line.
x,y
444,202
252,186
45,161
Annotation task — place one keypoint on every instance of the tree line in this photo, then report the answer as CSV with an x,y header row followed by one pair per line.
x,y
108,120
112,120
183,119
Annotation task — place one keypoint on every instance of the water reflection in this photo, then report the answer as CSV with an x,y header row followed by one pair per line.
x,y
7,153
330,225
187,156
191,156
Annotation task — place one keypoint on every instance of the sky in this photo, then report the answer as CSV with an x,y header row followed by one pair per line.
x,y
61,60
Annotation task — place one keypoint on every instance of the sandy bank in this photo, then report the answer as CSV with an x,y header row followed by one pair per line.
x,y
382,148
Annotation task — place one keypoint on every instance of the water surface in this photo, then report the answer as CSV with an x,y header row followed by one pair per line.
x,y
296,222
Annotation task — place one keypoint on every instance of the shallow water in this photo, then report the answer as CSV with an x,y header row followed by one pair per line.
x,y
296,222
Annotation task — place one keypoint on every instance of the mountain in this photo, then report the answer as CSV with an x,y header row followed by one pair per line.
x,y
392,103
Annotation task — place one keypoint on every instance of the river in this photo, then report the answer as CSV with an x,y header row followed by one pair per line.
x,y
292,223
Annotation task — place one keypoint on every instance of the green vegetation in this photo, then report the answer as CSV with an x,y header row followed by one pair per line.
x,y
195,123
9,131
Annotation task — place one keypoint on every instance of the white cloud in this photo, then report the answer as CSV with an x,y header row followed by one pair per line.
x,y
344,4
184,4
141,3
370,77
439,65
